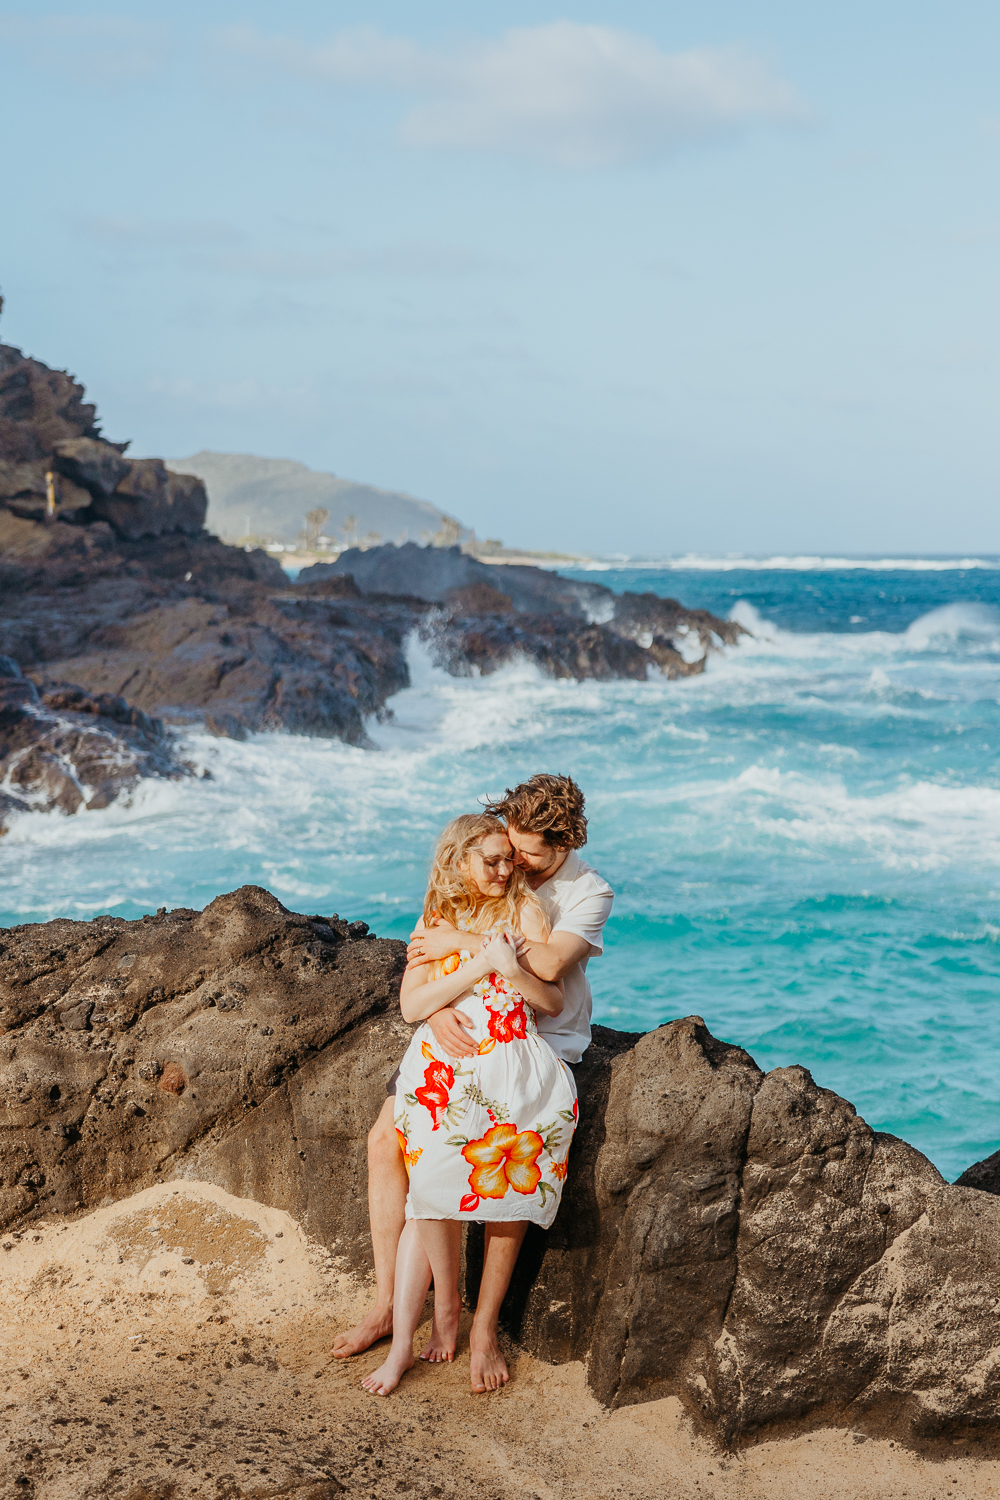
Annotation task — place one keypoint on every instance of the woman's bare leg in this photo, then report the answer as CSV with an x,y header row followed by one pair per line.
x,y
489,1368
442,1242
413,1278
387,1186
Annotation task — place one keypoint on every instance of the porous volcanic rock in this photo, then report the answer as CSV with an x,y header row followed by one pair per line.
x,y
65,748
743,1241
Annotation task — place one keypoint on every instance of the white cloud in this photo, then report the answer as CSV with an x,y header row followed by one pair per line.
x,y
574,95
99,49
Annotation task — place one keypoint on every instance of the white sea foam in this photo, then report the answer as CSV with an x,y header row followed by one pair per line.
x,y
919,825
943,628
320,822
953,629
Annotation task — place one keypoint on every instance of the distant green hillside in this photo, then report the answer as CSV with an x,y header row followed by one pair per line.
x,y
269,499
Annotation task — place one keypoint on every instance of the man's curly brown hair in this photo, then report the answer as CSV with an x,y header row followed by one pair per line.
x,y
549,805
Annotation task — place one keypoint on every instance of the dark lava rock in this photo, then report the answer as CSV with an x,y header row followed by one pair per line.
x,y
436,574
447,575
47,430
742,1241
984,1175
65,748
94,465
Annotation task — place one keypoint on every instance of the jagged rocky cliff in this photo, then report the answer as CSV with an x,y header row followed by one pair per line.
x,y
110,587
741,1240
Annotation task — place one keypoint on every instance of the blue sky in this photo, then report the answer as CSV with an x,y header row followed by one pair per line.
x,y
641,278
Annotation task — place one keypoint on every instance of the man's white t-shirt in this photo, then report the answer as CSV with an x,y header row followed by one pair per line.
x,y
575,899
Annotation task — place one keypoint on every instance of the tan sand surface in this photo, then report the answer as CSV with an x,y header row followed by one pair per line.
x,y
176,1344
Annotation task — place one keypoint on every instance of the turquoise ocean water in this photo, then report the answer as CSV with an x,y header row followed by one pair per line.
x,y
805,841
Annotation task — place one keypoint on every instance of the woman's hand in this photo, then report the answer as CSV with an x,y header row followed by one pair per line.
x,y
500,955
438,941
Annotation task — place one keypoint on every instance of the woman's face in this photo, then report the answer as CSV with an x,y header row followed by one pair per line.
x,y
490,864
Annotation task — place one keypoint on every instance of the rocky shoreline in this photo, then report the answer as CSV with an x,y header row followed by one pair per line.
x,y
742,1243
111,589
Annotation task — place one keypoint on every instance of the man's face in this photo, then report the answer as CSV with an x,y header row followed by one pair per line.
x,y
534,856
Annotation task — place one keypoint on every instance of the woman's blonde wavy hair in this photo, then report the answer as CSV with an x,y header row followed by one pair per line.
x,y
453,895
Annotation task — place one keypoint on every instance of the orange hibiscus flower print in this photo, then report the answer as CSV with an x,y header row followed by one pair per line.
x,y
504,1157
439,1080
409,1157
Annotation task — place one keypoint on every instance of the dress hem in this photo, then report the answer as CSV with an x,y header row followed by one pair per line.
x,y
472,1219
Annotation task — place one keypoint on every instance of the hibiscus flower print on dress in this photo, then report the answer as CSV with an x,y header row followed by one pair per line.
x,y
506,1012
409,1157
439,1080
504,1157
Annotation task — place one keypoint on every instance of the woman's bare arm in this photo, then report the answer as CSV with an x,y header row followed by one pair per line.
x,y
438,940
420,996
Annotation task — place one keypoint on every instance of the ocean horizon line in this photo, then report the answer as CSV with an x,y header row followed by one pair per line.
x,y
793,562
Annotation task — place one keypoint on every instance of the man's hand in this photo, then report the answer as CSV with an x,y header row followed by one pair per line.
x,y
449,1028
554,959
438,941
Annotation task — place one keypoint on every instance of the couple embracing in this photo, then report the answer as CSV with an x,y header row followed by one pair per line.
x,y
481,1112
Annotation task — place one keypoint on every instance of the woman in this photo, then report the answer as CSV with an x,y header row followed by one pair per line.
x,y
485,1139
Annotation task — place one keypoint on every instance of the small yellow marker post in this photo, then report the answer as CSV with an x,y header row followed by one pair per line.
x,y
50,495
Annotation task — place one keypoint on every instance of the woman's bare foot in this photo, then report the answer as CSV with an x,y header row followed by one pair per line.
x,y
386,1378
488,1371
444,1333
375,1325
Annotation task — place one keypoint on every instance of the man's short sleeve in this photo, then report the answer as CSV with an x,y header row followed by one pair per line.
x,y
587,916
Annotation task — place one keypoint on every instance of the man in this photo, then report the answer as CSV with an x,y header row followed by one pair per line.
x,y
546,826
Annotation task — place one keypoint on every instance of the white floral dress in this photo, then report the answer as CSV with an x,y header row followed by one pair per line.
x,y
486,1137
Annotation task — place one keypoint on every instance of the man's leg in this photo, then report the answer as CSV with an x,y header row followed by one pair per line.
x,y
489,1368
387,1187
442,1242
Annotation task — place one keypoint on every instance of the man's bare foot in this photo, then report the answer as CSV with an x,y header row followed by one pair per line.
x,y
444,1333
488,1371
375,1325
386,1378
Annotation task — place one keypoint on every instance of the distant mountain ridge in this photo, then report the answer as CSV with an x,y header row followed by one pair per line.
x,y
269,498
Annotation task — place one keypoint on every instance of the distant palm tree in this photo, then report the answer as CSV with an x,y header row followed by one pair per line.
x,y
315,521
449,533
350,530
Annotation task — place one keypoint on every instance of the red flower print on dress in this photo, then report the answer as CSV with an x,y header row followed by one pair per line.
x,y
507,1019
439,1080
503,1158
